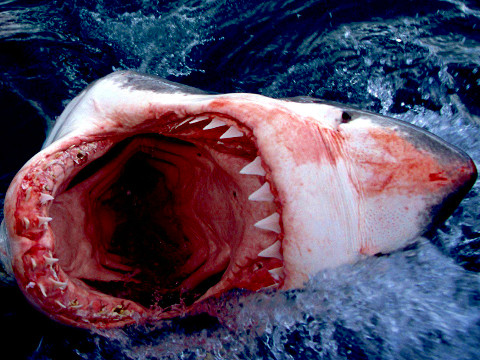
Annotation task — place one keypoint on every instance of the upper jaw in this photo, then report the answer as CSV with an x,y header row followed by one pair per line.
x,y
42,200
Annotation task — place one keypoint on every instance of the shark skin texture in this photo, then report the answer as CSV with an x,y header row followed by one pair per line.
x,y
150,196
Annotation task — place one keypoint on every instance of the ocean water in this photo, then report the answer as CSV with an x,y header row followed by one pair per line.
x,y
417,61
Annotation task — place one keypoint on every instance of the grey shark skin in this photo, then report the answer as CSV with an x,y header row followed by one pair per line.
x,y
150,196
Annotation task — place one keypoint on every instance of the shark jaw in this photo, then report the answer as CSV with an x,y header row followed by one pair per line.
x,y
151,196
149,222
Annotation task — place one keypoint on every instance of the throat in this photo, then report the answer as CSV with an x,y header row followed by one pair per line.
x,y
157,220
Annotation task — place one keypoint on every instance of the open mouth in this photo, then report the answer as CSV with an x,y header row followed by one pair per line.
x,y
145,225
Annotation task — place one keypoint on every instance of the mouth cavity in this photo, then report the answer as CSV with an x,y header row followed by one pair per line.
x,y
147,225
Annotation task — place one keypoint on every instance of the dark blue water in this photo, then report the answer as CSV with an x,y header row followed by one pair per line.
x,y
414,60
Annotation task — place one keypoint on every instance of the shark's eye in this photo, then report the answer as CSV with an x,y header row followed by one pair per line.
x,y
346,117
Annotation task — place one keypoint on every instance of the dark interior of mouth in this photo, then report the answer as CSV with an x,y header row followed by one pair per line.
x,y
157,209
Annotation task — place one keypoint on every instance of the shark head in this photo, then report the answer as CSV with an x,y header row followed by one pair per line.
x,y
150,196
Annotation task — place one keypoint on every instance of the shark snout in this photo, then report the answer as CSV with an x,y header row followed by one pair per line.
x,y
445,173
407,179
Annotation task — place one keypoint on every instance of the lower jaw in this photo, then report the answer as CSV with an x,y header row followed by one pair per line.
x,y
128,290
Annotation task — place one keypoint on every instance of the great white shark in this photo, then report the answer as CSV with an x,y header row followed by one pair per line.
x,y
150,196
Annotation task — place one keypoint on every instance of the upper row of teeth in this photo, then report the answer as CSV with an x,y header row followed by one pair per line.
x,y
270,223
232,131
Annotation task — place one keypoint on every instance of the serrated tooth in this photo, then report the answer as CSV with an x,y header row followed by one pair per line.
x,y
28,192
214,124
273,251
273,286
232,132
26,223
42,289
59,284
187,120
254,168
262,194
43,220
200,118
276,273
44,198
60,304
50,260
271,223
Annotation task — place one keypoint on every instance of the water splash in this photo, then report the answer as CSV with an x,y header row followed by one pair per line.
x,y
392,307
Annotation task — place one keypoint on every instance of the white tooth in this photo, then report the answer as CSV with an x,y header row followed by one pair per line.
x,y
276,273
198,119
78,306
26,223
262,194
214,124
42,289
271,223
30,285
34,263
43,220
273,286
50,260
254,168
28,193
60,304
59,284
44,198
232,132
55,275
183,122
273,251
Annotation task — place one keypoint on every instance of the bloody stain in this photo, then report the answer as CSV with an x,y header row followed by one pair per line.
x,y
305,139
397,166
437,177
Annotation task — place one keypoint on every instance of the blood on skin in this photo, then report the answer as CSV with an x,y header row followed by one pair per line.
x,y
316,144
438,177
397,165
310,142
